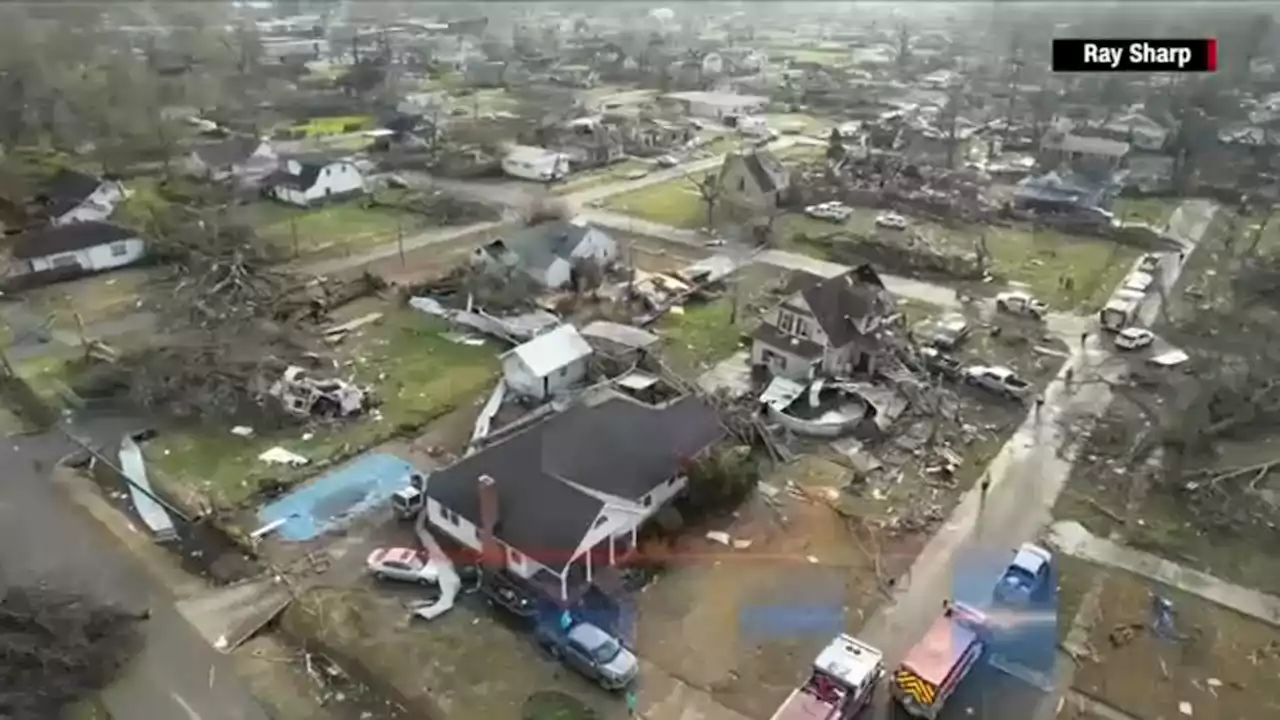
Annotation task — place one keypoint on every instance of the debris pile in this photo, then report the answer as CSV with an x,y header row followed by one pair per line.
x,y
305,396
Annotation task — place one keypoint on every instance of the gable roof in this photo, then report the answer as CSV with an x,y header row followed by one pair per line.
x,y
618,446
552,350
67,189
227,152
765,169
538,247
55,239
309,170
838,303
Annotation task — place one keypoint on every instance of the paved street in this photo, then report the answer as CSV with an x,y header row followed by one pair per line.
x,y
44,535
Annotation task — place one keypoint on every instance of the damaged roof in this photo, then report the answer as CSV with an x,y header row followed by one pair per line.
x,y
765,168
308,171
841,302
552,350
618,447
538,247
66,190
56,239
227,152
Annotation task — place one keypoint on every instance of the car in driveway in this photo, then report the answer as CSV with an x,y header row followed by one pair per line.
x,y
1027,576
1134,338
946,332
667,161
1000,380
402,564
936,361
592,652
892,221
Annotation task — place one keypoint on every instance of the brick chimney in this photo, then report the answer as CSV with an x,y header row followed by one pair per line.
x,y
490,553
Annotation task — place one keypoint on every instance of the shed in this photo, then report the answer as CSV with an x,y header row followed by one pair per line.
x,y
547,365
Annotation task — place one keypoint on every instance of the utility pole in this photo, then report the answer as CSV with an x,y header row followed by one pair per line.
x,y
1015,75
400,242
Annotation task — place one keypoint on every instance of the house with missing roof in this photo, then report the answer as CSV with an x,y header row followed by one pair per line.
x,y
549,251
89,246
564,499
550,365
753,182
824,326
245,160
311,182
72,196
1094,155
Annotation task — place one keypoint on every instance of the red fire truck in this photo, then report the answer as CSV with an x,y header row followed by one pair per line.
x,y
938,663
841,684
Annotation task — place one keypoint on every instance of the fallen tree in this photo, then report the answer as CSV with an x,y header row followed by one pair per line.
x,y
57,649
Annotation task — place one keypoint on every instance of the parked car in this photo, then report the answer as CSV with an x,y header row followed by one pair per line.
x,y
667,161
1020,303
946,332
592,652
831,211
1139,282
1027,577
1134,338
999,380
403,564
1150,263
893,221
939,362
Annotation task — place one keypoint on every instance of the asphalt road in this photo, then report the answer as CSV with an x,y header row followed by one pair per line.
x,y
44,536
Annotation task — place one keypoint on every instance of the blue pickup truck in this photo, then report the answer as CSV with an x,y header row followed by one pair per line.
x,y
592,652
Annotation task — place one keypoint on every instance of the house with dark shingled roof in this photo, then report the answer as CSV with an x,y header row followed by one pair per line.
x,y
824,326
753,182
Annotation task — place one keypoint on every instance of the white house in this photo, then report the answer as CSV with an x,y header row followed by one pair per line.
x,y
91,246
535,163
71,196
567,496
548,252
717,105
305,183
243,159
825,326
548,365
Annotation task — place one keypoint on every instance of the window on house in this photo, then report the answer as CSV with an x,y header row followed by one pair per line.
x,y
742,184
647,502
326,172
119,249
64,261
785,322
515,557
671,481
600,521
800,328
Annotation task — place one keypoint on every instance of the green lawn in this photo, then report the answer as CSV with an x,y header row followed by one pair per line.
x,y
345,226
1039,259
1153,211
675,203
417,374
702,335
804,124
616,172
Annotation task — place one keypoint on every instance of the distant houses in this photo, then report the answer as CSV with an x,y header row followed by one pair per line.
x,y
305,183
75,248
71,196
550,251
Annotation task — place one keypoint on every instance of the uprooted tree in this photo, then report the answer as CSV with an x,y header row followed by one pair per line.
x,y
1229,392
57,649
231,319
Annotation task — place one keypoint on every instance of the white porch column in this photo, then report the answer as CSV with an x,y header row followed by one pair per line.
x,y
588,553
564,588
633,537
612,542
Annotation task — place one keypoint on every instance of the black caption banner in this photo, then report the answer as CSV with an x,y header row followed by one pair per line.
x,y
1114,55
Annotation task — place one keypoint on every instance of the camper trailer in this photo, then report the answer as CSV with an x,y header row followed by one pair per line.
x,y
535,163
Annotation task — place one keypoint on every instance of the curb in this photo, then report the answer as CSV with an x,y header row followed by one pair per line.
x,y
155,561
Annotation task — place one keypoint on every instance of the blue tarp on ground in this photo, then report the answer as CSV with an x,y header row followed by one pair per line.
x,y
332,499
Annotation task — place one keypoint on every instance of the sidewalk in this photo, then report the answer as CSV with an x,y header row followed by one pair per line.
x,y
1073,539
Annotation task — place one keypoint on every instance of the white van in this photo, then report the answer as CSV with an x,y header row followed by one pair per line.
x,y
1122,310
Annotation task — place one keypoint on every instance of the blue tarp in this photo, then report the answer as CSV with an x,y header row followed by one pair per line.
x,y
332,499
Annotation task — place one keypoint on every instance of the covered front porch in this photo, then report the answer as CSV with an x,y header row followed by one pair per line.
x,y
596,565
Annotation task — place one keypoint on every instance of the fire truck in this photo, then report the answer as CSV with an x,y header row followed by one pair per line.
x,y
935,667
841,684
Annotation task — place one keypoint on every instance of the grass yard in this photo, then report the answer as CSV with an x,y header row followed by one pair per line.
x,y
1153,211
96,298
341,227
1227,666
675,203
1038,259
701,334
418,375
801,123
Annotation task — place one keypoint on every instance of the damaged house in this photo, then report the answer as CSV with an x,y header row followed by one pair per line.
x,y
310,182
588,143
245,160
754,182
548,252
73,248
71,196
826,326
565,498
1093,155
550,365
